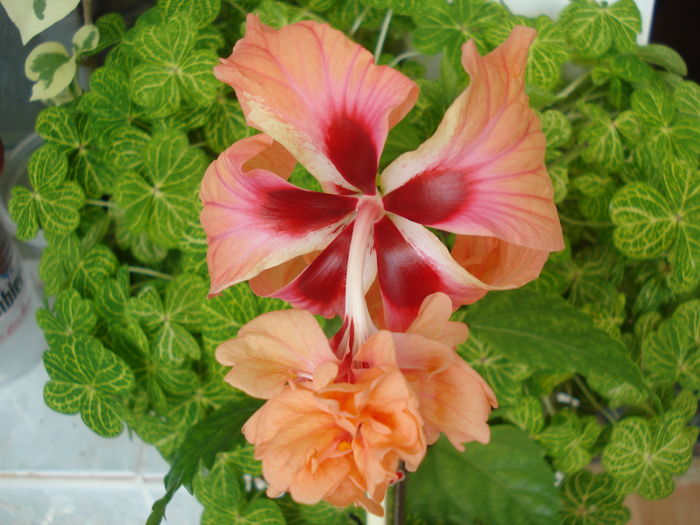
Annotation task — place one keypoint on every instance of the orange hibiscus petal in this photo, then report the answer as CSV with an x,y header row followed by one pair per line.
x,y
319,94
482,172
497,262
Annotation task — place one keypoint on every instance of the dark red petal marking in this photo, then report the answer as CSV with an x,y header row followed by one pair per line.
x,y
405,278
298,211
429,197
352,151
321,287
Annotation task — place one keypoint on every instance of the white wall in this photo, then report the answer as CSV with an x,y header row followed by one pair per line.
x,y
553,7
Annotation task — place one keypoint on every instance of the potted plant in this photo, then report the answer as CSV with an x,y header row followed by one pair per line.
x,y
596,362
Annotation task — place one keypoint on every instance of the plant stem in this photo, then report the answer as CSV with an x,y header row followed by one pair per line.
x,y
592,224
149,272
549,408
396,500
382,36
403,56
101,204
87,12
564,93
589,395
568,156
358,21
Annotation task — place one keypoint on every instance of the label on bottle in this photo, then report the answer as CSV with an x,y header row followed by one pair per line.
x,y
15,299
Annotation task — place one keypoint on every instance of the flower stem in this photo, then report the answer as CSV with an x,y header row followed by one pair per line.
x,y
382,36
593,401
149,272
102,204
395,500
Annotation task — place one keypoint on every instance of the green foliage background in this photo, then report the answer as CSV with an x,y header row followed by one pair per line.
x,y
598,361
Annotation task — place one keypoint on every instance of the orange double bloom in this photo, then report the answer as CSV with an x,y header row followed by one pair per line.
x,y
336,429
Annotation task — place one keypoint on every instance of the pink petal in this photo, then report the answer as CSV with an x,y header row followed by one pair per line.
x,y
320,288
255,220
482,172
411,264
275,348
321,95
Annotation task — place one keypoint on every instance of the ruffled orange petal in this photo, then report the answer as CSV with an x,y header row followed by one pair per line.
x,y
457,402
276,348
433,321
300,445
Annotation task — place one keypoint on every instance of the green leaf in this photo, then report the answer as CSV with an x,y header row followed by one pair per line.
x,y
58,262
127,145
111,29
548,53
219,432
52,70
556,128
672,353
73,316
227,312
591,499
687,98
221,494
23,211
502,374
96,266
526,414
226,124
161,203
593,28
56,124
202,12
86,39
167,436
544,332
55,204
644,221
651,224
570,439
172,70
108,103
603,144
446,26
279,14
193,245
169,324
86,377
643,455
506,481
664,56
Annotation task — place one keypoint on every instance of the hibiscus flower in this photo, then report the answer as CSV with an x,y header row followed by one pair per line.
x,y
336,428
319,99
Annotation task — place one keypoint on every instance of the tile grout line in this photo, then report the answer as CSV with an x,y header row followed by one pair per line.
x,y
81,476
